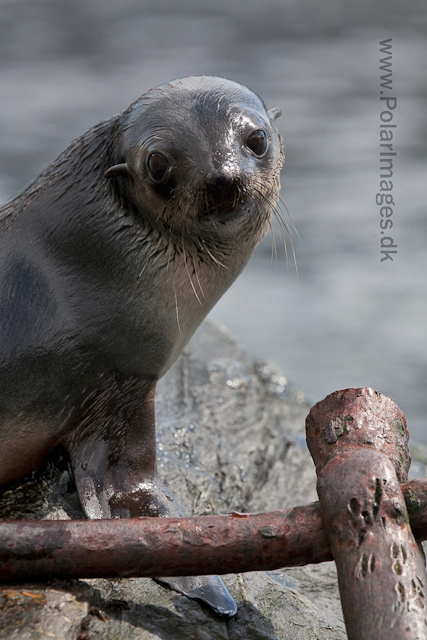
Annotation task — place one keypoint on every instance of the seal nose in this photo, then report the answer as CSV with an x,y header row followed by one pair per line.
x,y
219,182
222,191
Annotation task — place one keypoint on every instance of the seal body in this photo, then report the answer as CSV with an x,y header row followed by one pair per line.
x,y
109,261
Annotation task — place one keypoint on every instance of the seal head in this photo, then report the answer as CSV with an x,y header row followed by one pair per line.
x,y
201,157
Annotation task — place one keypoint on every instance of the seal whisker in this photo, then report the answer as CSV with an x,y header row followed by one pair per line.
x,y
273,243
265,198
217,262
176,308
191,233
292,228
272,204
272,235
194,258
199,283
281,202
188,273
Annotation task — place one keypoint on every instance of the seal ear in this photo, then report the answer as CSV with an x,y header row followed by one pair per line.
x,y
275,113
117,169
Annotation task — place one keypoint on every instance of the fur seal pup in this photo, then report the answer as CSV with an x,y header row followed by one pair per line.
x,y
109,261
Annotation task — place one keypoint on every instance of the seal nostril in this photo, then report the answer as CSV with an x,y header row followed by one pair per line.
x,y
219,181
222,192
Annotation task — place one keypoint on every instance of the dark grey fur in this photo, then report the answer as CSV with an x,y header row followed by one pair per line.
x,y
106,274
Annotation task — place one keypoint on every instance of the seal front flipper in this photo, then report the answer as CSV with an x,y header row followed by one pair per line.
x,y
114,471
209,589
99,499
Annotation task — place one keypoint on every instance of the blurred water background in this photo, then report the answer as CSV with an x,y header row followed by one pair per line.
x,y
347,319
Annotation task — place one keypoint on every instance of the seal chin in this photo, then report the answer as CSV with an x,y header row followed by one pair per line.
x,y
224,213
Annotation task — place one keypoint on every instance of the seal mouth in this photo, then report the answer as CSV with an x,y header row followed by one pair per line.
x,y
222,199
223,213
220,209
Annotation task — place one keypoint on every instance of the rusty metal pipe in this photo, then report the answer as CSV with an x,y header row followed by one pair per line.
x,y
358,440
45,549
160,546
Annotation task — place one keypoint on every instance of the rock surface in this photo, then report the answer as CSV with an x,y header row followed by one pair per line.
x,y
231,438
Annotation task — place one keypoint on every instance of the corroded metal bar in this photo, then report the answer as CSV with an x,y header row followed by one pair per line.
x,y
358,439
45,549
41,550
415,494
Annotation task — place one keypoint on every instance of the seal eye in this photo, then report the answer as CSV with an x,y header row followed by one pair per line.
x,y
257,142
158,164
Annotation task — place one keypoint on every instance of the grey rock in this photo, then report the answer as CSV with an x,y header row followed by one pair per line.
x,y
231,438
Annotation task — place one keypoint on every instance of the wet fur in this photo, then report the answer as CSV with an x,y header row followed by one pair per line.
x,y
104,280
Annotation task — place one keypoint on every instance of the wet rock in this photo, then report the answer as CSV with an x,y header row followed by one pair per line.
x,y
231,438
